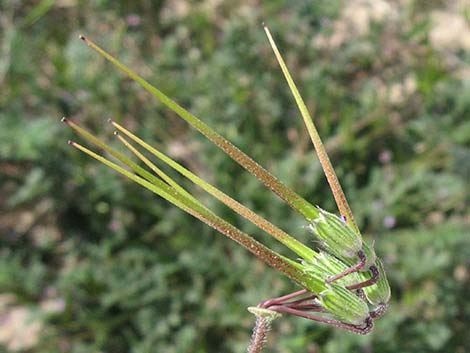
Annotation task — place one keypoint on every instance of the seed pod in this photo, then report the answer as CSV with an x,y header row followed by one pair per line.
x,y
379,293
344,304
314,278
340,239
370,255
327,265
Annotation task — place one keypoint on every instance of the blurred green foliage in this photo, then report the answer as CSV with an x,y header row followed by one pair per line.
x,y
130,273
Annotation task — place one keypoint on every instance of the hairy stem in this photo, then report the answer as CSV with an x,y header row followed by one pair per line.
x,y
259,336
264,318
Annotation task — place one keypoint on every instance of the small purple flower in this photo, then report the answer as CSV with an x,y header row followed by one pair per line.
x,y
389,222
133,20
115,225
385,157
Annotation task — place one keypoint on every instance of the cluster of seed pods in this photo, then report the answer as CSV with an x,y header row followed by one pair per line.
x,y
344,282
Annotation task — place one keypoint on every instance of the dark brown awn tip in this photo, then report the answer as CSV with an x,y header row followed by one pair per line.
x,y
64,119
70,142
115,133
82,37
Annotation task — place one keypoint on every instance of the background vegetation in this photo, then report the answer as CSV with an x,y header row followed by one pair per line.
x,y
90,262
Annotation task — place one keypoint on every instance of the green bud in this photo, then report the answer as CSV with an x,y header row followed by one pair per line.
x,y
379,293
338,237
344,304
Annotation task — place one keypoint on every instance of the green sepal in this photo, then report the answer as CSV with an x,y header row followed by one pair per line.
x,y
370,255
378,293
327,266
344,304
337,236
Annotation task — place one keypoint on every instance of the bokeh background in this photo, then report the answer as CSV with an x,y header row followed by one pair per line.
x,y
90,262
